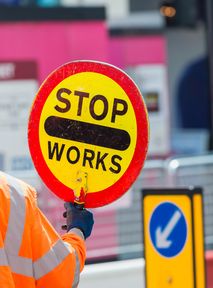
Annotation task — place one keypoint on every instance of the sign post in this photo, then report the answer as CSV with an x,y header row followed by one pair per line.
x,y
88,118
174,252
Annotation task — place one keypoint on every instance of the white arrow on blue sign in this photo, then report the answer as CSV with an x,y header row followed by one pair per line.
x,y
168,229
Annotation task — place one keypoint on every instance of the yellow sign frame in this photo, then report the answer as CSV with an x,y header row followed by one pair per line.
x,y
186,269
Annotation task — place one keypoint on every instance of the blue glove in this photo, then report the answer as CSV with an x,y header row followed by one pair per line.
x,y
79,218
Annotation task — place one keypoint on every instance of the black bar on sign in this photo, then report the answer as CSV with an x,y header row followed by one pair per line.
x,y
87,133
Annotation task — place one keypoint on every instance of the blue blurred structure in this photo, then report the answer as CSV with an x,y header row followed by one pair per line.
x,y
193,96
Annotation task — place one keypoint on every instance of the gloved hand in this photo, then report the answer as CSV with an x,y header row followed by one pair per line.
x,y
78,218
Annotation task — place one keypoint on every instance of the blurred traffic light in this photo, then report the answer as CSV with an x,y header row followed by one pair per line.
x,y
180,13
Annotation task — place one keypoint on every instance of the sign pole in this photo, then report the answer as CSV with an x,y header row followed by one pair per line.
x,y
209,31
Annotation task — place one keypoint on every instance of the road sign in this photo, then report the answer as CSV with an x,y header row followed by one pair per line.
x,y
168,229
88,117
173,238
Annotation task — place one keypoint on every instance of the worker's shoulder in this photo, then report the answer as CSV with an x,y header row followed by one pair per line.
x,y
18,185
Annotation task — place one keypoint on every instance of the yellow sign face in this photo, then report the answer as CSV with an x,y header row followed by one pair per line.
x,y
168,241
97,110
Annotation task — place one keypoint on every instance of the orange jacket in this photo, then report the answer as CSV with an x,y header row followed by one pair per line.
x,y
32,254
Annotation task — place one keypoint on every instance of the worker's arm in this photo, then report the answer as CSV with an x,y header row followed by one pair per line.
x,y
79,223
57,261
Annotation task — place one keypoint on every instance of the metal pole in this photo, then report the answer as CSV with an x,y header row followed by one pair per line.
x,y
209,28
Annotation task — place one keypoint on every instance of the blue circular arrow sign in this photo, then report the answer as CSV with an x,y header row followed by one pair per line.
x,y
168,229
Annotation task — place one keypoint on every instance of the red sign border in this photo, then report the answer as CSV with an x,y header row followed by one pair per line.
x,y
115,191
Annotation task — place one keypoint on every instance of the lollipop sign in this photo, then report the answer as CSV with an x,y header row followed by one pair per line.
x,y
88,117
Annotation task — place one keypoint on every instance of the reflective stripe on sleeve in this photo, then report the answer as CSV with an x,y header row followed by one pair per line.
x,y
77,267
16,222
51,259
77,272
3,258
21,265
15,230
77,232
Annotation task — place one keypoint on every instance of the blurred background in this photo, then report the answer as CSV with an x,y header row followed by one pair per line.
x,y
166,47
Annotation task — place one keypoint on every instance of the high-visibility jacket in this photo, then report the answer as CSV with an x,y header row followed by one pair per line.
x,y
32,254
